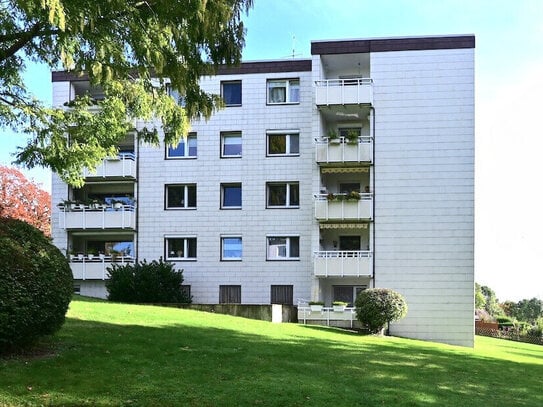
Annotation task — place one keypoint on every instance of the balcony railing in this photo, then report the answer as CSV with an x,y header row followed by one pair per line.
x,y
339,150
344,91
345,318
124,165
89,267
344,263
97,216
340,207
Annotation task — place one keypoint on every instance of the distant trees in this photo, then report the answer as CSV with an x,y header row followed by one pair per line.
x,y
24,200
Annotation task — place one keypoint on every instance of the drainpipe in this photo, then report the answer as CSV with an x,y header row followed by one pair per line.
x,y
136,186
373,189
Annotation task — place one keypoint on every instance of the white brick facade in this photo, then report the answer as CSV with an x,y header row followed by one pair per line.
x,y
414,116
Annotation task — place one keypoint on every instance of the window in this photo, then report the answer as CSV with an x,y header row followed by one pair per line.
x,y
231,93
231,196
187,148
349,243
283,91
180,248
283,248
283,195
231,144
181,196
283,143
229,294
347,293
281,294
231,248
180,100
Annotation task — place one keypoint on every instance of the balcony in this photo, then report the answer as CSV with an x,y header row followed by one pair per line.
x,y
122,166
341,151
327,316
94,267
344,91
343,263
338,207
97,216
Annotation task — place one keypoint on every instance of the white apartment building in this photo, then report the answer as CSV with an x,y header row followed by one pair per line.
x,y
321,177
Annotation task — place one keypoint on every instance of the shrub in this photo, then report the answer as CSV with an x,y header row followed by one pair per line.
x,y
377,307
155,282
36,285
505,322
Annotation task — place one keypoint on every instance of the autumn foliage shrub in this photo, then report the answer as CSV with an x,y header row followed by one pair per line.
x,y
155,282
377,307
35,284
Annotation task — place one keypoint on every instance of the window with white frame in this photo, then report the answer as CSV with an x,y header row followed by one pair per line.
x,y
283,143
231,93
186,148
180,248
282,91
283,248
283,195
180,196
347,293
231,144
231,196
231,248
229,294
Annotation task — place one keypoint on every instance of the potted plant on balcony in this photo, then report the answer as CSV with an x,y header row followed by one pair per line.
x,y
316,306
339,306
333,137
117,204
91,252
352,136
353,196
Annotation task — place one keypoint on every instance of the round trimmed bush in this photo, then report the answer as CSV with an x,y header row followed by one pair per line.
x,y
377,307
35,284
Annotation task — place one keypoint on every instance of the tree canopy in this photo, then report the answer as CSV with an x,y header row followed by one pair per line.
x,y
130,49
24,200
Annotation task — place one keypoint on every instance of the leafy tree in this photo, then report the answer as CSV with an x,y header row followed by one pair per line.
x,y
35,285
529,310
491,301
509,308
129,49
480,299
24,200
377,307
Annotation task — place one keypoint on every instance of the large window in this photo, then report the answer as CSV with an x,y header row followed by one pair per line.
x,y
283,91
231,248
187,148
182,196
180,248
229,294
281,294
231,144
347,293
283,195
231,93
231,196
283,248
283,143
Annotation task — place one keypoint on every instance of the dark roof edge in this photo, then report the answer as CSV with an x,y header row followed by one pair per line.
x,y
288,65
392,44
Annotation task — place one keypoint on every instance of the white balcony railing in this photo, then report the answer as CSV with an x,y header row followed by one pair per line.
x,y
99,216
344,263
339,150
327,315
339,207
124,165
344,91
89,267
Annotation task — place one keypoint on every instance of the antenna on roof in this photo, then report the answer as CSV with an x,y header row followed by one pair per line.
x,y
294,54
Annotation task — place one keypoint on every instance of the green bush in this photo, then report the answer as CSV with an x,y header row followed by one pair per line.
x,y
377,307
155,282
36,285
505,322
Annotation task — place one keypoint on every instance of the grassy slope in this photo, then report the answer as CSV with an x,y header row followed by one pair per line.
x,y
112,354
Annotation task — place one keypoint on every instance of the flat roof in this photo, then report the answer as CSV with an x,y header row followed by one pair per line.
x,y
354,46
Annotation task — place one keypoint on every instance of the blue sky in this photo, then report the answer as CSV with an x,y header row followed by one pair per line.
x,y
509,85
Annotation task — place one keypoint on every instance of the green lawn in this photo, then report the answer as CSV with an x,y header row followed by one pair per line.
x,y
113,354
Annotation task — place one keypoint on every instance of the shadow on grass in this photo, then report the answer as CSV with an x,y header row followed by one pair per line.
x,y
109,364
